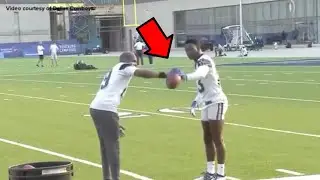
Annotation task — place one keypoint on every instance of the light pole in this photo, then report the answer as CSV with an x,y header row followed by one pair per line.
x,y
241,24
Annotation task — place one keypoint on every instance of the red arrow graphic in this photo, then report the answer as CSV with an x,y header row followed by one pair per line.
x,y
158,43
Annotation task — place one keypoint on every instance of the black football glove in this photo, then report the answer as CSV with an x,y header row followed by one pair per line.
x,y
162,75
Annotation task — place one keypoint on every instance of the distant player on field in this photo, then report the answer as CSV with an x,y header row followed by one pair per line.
x,y
40,50
54,54
103,109
138,46
215,103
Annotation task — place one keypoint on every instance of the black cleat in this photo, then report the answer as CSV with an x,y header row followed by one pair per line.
x,y
208,176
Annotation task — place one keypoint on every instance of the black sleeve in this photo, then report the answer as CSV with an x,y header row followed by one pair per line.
x,y
123,66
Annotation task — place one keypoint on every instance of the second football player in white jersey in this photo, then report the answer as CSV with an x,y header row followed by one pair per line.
x,y
40,52
54,54
103,109
214,104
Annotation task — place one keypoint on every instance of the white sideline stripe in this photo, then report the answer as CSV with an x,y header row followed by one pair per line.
x,y
168,115
311,177
178,90
289,172
136,176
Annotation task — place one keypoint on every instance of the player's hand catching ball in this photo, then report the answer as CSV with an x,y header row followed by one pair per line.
x,y
174,78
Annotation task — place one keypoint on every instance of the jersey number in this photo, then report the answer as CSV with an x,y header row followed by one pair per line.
x,y
201,86
105,81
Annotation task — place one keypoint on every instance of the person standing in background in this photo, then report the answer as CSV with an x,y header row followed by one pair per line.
x,y
40,50
54,54
138,46
149,56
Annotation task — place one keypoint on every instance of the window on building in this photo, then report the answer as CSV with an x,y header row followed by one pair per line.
x,y
179,20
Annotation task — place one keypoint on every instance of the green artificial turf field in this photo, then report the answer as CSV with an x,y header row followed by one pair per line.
x,y
272,122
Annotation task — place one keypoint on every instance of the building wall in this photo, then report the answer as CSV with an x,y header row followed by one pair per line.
x,y
163,10
32,25
94,36
318,14
264,18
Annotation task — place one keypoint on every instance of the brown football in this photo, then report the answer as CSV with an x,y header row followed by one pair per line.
x,y
173,80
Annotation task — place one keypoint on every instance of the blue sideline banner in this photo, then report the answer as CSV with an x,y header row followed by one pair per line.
x,y
29,49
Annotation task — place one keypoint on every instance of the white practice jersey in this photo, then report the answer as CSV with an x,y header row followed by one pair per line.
x,y
40,49
113,87
209,88
54,48
139,46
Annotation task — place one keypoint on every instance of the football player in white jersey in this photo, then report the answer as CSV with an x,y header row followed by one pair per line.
x,y
54,54
103,109
40,51
214,104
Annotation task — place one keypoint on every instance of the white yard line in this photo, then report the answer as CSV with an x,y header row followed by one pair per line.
x,y
133,116
289,172
167,115
128,173
228,178
178,90
272,81
310,177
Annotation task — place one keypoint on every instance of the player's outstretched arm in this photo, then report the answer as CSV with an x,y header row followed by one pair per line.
x,y
144,73
200,73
